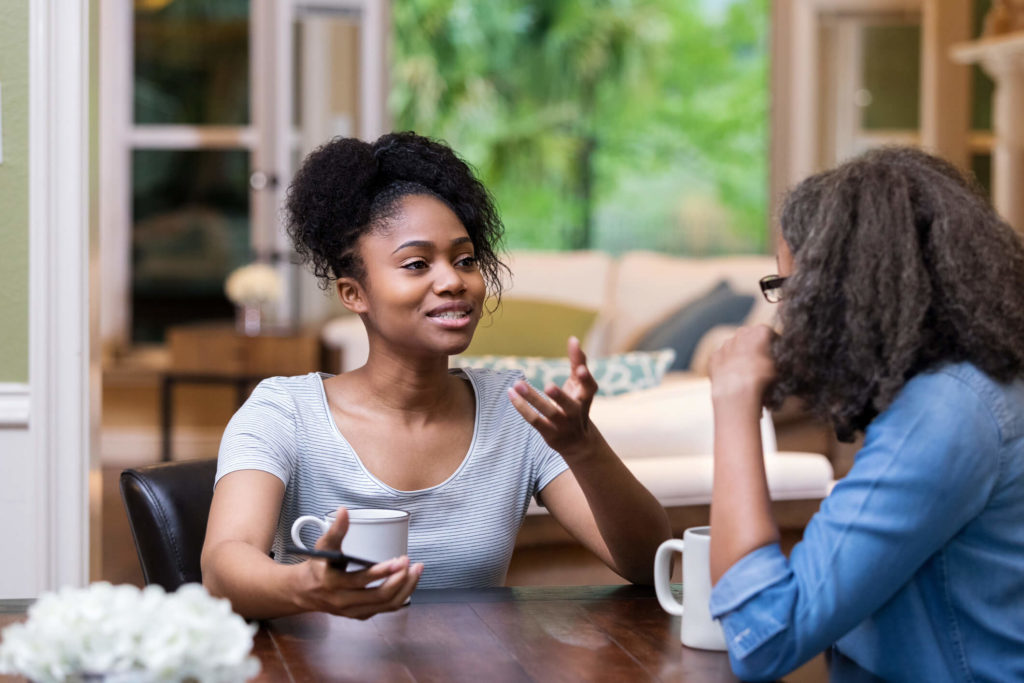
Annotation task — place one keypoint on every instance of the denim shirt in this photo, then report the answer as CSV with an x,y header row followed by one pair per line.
x,y
913,567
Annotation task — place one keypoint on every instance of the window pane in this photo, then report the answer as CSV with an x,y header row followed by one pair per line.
x,y
607,125
192,62
892,76
190,229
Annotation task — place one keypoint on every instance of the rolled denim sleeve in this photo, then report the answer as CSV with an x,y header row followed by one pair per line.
x,y
748,578
913,486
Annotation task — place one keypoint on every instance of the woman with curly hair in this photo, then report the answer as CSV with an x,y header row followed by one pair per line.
x,y
408,237
901,317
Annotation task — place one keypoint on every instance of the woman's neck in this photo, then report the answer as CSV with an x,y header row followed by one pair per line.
x,y
397,382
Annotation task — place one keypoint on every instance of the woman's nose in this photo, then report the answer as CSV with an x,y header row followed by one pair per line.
x,y
449,279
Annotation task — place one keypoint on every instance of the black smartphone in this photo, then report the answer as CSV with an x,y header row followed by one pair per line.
x,y
336,559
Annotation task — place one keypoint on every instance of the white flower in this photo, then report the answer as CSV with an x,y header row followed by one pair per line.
x,y
130,636
253,284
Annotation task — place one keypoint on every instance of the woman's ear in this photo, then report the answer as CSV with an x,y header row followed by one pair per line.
x,y
352,295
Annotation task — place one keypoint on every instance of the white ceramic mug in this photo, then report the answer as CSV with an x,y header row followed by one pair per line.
x,y
375,535
698,629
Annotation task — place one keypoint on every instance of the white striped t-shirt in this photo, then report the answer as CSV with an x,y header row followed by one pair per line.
x,y
463,530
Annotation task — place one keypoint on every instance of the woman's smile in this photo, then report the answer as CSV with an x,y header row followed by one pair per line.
x,y
454,315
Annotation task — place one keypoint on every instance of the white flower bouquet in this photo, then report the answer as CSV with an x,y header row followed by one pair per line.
x,y
252,285
124,634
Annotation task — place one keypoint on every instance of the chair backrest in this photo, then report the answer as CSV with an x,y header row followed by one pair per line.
x,y
168,506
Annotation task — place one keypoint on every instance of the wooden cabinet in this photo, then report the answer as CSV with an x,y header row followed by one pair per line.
x,y
219,350
217,354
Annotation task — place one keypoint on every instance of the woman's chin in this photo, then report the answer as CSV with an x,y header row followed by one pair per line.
x,y
456,349
456,346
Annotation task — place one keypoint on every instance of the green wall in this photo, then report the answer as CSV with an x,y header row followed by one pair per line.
x,y
14,192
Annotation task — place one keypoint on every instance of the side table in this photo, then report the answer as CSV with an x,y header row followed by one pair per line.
x,y
215,353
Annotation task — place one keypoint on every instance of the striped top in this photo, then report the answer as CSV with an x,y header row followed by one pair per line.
x,y
463,530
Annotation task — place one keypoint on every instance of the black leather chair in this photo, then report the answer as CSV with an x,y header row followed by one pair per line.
x,y
168,505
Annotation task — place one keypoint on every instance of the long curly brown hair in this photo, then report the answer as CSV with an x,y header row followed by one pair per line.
x,y
900,265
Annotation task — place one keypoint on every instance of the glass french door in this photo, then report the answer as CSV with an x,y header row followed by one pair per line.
x,y
326,77
206,108
872,81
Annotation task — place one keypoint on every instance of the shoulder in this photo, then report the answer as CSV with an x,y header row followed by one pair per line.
x,y
960,394
292,391
940,439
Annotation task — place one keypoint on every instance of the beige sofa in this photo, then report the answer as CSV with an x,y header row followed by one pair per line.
x,y
664,433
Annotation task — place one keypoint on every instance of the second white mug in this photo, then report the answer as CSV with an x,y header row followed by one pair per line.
x,y
698,629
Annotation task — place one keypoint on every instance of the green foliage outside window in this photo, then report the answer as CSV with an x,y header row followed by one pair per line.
x,y
611,124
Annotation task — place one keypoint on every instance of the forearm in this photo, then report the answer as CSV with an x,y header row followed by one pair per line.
x,y
257,587
631,521
741,513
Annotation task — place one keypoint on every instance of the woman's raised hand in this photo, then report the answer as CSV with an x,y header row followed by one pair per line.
x,y
345,593
743,368
561,414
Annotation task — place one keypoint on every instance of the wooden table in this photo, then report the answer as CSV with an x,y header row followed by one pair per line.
x,y
576,633
602,633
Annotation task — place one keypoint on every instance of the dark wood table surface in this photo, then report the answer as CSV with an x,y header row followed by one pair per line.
x,y
573,633
598,633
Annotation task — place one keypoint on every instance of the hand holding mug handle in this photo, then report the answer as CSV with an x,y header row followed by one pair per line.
x,y
301,522
662,575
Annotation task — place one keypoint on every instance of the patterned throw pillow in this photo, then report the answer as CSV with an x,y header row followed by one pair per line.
x,y
614,374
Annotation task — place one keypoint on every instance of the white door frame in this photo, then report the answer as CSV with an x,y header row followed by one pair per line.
x,y
264,136
60,458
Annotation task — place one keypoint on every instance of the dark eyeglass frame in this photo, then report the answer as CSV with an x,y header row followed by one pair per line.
x,y
771,287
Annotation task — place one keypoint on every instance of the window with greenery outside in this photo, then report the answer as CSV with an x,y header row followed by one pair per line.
x,y
609,124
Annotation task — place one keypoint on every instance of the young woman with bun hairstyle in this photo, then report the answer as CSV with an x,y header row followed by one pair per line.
x,y
408,238
902,317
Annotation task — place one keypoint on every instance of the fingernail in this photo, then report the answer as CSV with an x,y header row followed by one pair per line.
x,y
417,569
521,389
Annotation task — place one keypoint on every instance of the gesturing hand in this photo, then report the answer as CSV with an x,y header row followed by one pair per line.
x,y
345,593
561,415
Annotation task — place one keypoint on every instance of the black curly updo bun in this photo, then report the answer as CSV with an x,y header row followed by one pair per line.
x,y
347,188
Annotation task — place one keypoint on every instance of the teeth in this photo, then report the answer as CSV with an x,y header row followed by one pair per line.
x,y
451,315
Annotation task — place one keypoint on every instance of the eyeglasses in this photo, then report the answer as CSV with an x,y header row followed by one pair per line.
x,y
771,287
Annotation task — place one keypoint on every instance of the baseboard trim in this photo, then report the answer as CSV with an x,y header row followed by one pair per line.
x,y
14,404
128,447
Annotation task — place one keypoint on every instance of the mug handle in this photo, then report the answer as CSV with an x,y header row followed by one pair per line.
x,y
301,522
663,573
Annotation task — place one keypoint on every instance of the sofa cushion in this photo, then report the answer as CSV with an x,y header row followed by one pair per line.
x,y
618,374
530,327
684,327
678,481
649,286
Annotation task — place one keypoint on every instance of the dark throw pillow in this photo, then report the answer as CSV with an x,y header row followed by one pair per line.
x,y
683,328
